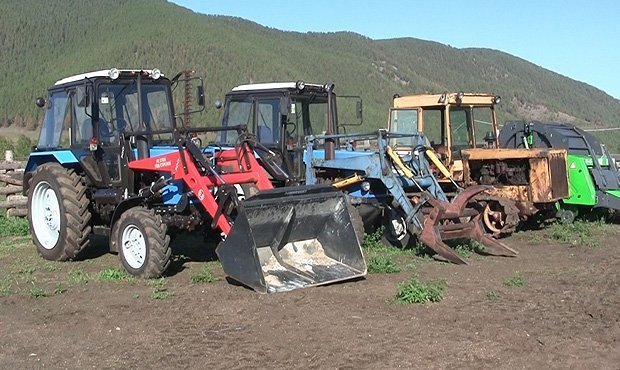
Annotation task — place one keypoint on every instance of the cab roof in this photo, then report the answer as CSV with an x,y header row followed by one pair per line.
x,y
430,100
105,73
273,86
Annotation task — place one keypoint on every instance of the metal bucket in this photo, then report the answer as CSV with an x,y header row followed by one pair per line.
x,y
291,238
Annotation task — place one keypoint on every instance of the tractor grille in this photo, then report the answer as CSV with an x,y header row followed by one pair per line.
x,y
559,176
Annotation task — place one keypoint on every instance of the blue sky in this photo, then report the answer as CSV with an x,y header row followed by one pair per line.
x,y
577,39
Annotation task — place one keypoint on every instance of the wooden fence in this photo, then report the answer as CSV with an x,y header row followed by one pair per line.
x,y
11,179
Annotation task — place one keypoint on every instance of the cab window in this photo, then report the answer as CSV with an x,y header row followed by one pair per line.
x,y
57,115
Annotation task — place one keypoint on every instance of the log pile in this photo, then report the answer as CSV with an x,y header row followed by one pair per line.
x,y
11,178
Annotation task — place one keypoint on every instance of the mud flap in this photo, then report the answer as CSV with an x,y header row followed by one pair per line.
x,y
435,232
291,238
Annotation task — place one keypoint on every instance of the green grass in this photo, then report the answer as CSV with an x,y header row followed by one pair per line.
x,y
13,226
113,274
203,276
36,292
491,294
6,288
515,281
577,234
159,290
467,248
78,277
58,289
382,265
416,291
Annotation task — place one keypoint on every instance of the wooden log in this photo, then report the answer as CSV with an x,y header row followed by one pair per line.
x,y
10,179
13,201
12,165
17,212
11,189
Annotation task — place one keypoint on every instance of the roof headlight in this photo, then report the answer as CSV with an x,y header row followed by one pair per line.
x,y
497,99
300,85
155,74
114,73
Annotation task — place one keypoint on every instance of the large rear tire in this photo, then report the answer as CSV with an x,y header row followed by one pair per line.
x,y
143,242
58,212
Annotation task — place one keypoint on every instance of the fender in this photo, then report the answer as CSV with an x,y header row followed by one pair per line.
x,y
63,157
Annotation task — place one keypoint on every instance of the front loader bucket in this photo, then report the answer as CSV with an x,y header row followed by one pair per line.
x,y
290,238
436,230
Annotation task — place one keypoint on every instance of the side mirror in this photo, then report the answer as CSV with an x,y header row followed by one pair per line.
x,y
40,102
200,92
358,110
217,104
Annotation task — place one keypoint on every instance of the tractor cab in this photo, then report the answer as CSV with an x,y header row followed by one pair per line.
x,y
451,121
280,116
104,119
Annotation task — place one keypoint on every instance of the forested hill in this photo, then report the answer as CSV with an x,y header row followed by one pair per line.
x,y
43,41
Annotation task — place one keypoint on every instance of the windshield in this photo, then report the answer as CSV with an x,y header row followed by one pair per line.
x,y
307,115
118,110
404,121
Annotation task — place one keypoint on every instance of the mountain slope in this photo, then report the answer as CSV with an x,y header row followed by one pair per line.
x,y
41,42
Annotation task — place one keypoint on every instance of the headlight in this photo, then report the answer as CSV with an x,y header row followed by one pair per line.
x,y
113,73
155,74
365,186
497,99
300,85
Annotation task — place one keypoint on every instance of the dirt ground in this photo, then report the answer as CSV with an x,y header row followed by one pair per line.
x,y
566,315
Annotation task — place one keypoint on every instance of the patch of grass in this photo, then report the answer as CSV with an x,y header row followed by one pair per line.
x,y
382,265
467,248
36,292
13,226
159,290
491,294
203,276
515,281
113,274
58,289
373,245
78,277
50,266
373,242
416,291
5,288
578,233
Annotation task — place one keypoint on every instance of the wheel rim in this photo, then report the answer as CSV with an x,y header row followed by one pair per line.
x,y
398,228
134,246
493,220
45,213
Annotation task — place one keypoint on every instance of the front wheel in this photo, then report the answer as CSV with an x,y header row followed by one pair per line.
x,y
143,243
58,212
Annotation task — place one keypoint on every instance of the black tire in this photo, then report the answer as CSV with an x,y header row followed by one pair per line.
x,y
139,224
357,222
73,213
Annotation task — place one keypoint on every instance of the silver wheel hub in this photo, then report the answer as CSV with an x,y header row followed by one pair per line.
x,y
399,228
134,246
45,213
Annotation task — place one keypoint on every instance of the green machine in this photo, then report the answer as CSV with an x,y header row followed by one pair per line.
x,y
594,178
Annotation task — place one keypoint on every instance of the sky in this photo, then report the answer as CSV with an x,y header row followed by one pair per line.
x,y
577,39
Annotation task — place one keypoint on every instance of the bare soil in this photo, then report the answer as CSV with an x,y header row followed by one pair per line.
x,y
566,315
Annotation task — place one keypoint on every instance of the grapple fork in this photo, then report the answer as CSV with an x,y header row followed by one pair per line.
x,y
436,230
